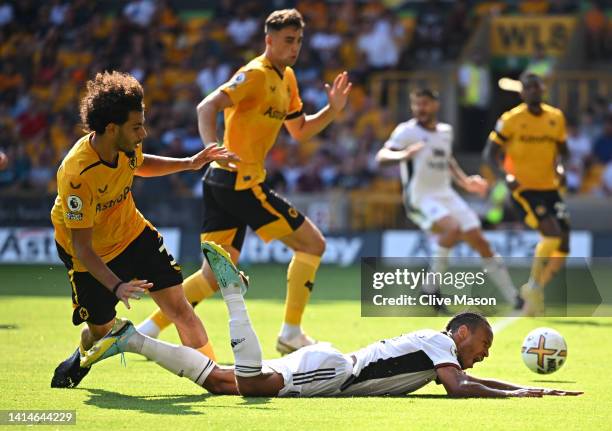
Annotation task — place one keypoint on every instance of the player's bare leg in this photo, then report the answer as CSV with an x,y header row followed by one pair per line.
x,y
173,304
543,267
448,230
221,381
308,245
493,265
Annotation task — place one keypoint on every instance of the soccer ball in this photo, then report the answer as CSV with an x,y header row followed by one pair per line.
x,y
544,351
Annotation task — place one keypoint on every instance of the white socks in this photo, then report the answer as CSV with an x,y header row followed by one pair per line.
x,y
289,331
439,264
149,328
180,360
245,344
439,260
496,269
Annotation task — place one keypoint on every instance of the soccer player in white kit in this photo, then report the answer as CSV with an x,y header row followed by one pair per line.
x,y
392,366
423,147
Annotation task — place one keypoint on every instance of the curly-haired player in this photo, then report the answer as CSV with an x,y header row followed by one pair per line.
x,y
111,251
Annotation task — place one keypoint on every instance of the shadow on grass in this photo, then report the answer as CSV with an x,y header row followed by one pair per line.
x,y
162,404
423,396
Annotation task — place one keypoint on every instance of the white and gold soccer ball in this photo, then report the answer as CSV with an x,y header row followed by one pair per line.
x,y
544,351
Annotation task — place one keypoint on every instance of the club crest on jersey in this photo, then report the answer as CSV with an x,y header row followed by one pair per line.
x,y
74,203
132,162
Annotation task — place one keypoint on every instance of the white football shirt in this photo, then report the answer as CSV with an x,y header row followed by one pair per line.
x,y
430,173
400,365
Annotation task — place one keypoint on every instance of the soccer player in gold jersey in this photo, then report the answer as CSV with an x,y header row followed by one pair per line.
x,y
261,97
527,148
111,251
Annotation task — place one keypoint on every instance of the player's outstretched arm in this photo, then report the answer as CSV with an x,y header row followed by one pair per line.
x,y
562,159
207,111
388,156
305,127
494,155
498,384
460,385
156,166
472,184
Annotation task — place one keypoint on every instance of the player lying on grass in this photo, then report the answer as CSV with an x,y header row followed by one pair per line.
x,y
393,366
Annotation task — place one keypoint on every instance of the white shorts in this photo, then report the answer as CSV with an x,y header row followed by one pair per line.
x,y
313,371
427,210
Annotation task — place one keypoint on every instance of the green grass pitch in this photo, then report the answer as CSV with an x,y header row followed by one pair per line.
x,y
36,334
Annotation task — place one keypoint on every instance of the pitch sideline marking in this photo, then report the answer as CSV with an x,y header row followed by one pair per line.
x,y
503,324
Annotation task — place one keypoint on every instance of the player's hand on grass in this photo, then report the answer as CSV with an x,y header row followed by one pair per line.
x,y
526,393
337,93
476,184
132,290
212,153
560,392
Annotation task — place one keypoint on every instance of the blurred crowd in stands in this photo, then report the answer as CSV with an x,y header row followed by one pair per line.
x,y
49,49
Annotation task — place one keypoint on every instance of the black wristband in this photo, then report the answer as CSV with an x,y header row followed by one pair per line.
x,y
117,287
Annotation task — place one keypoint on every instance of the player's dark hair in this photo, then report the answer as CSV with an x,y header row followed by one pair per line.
x,y
425,92
471,320
110,97
280,19
527,76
